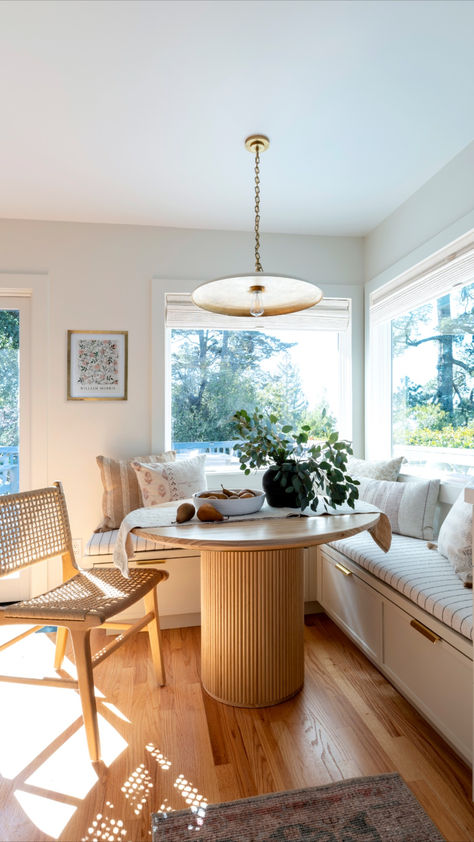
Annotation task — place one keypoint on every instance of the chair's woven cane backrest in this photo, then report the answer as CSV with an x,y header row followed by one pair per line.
x,y
34,525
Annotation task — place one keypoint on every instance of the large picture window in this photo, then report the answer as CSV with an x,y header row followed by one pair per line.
x,y
297,368
421,370
433,383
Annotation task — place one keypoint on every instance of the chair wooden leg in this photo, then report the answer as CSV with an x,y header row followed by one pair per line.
x,y
154,636
82,654
61,640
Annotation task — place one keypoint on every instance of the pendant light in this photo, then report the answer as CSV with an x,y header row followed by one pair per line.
x,y
256,293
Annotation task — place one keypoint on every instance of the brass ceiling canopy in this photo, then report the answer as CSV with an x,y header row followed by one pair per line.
x,y
256,293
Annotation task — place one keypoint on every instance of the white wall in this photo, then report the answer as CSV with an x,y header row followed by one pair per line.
x,y
440,212
100,279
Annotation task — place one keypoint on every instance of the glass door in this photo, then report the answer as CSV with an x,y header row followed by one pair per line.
x,y
14,418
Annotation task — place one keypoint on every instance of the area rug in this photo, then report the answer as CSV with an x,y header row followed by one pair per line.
x,y
375,809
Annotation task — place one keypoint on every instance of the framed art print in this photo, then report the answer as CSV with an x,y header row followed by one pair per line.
x,y
97,365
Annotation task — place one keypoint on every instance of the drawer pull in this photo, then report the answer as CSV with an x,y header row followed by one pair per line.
x,y
424,630
343,569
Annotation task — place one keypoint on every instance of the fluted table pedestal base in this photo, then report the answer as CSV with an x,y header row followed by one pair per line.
x,y
252,625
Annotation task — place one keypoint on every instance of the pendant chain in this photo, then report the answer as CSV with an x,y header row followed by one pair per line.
x,y
258,265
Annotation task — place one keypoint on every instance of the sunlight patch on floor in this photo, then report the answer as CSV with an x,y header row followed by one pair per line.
x,y
105,828
197,802
137,787
69,770
37,717
49,816
158,756
116,712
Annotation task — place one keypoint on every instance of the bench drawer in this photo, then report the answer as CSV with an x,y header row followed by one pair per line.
x,y
352,604
434,675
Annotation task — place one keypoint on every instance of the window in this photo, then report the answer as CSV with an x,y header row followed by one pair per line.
x,y
297,366
9,399
421,339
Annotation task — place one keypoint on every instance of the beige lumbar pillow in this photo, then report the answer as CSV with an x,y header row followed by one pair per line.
x,y
161,483
387,469
410,506
455,539
121,492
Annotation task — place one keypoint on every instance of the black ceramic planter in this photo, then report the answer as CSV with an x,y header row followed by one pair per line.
x,y
276,495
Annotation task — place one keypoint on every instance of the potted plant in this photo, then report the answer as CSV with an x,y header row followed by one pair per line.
x,y
298,470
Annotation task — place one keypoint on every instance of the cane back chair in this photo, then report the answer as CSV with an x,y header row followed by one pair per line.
x,y
34,526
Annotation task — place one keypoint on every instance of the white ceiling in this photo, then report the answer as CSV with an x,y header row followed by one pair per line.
x,y
136,112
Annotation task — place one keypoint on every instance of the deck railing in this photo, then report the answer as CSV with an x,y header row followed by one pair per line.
x,y
9,470
219,453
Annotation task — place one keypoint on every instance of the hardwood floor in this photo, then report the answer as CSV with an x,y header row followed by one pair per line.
x,y
165,748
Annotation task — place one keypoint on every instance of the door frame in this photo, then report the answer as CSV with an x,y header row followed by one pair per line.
x,y
34,289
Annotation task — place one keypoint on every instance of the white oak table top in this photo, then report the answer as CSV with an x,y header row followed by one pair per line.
x,y
272,534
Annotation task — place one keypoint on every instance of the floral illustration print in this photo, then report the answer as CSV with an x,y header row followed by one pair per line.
x,y
98,362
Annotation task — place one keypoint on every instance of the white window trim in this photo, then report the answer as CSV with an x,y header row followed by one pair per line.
x,y
332,318
34,288
440,273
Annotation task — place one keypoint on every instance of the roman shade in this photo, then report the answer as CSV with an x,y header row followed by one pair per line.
x,y
330,314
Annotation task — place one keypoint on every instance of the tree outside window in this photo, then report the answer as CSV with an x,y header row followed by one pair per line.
x,y
433,380
215,372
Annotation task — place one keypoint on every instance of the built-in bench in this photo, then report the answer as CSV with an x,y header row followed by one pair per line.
x,y
412,616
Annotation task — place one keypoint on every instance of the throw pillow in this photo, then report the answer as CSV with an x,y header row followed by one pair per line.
x,y
387,470
121,493
410,506
455,538
171,480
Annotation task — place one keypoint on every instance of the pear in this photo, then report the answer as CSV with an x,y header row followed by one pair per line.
x,y
184,512
208,513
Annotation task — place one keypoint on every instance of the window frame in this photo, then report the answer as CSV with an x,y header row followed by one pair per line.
x,y
438,274
33,290
161,357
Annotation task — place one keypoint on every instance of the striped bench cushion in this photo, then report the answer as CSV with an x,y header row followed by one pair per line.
x,y
103,543
422,575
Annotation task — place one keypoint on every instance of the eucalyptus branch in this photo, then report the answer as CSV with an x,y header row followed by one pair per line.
x,y
309,470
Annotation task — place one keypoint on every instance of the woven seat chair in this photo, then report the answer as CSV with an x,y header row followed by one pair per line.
x,y
34,526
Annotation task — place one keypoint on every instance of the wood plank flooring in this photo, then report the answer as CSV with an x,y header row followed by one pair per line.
x,y
165,748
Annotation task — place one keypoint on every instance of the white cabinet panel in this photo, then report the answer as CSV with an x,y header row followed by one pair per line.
x,y
434,675
353,604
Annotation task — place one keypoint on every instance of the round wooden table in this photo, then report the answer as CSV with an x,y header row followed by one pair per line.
x,y
252,603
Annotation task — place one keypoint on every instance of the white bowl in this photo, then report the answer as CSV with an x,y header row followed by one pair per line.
x,y
232,505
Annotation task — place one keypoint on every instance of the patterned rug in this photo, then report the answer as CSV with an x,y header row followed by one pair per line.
x,y
375,809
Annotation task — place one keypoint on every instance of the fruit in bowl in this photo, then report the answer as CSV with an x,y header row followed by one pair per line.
x,y
231,502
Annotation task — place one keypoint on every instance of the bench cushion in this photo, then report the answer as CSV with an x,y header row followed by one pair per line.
x,y
103,543
422,575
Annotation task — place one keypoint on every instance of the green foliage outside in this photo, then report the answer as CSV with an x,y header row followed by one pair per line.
x,y
9,377
215,371
440,411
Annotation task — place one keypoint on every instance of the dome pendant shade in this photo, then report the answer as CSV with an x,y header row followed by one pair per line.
x,y
257,293
235,295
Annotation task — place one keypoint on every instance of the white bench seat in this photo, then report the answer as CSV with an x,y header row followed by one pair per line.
x,y
422,575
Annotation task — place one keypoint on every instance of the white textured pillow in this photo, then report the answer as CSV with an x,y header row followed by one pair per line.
x,y
170,480
455,538
387,470
410,506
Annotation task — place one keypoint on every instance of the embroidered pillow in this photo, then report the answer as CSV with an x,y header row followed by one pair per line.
x,y
387,470
410,506
170,480
121,492
455,539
